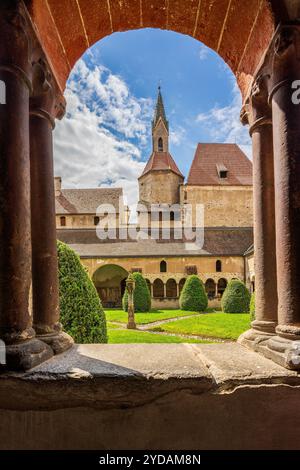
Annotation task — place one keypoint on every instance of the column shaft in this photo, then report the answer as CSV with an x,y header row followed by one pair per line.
x,y
286,117
15,242
44,252
264,229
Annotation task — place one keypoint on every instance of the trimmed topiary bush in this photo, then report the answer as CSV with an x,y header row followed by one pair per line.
x,y
236,298
252,307
193,296
81,312
141,295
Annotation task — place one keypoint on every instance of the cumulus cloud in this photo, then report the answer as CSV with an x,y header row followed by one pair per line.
x,y
222,124
99,141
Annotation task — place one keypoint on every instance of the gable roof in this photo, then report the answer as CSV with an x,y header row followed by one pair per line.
x,y
161,161
211,157
86,201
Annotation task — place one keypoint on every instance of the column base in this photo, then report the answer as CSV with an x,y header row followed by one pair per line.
x,y
26,355
58,341
260,332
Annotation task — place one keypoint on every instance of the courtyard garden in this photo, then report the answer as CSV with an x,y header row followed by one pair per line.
x,y
176,326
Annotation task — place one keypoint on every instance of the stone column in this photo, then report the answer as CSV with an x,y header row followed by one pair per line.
x,y
285,70
259,116
46,104
130,284
23,351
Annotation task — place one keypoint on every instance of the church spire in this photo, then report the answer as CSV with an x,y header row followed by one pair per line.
x,y
160,111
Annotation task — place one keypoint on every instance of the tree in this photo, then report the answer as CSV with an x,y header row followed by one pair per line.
x,y
236,298
81,312
193,296
141,295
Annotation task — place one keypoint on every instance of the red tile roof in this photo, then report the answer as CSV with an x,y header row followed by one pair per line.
x,y
209,157
161,161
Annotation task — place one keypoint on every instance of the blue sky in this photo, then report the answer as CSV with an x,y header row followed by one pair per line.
x,y
105,138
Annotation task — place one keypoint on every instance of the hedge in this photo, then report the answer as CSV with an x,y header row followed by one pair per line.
x,y
236,298
193,296
81,312
141,295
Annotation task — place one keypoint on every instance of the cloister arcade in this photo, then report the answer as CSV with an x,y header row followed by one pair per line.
x,y
258,39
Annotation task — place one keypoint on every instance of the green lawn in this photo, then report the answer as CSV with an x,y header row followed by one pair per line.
x,y
213,325
132,336
145,318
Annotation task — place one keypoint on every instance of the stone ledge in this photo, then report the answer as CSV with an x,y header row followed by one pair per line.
x,y
128,376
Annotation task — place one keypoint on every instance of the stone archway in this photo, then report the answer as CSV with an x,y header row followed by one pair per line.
x,y
109,281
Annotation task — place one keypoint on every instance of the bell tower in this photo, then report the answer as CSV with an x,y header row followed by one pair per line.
x,y
161,179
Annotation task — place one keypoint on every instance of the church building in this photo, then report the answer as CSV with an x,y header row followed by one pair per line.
x,y
219,181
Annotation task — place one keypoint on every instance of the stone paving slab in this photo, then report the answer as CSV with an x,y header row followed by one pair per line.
x,y
232,362
110,360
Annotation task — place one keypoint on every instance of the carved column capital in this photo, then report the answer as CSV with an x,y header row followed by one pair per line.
x,y
256,110
47,101
285,57
15,41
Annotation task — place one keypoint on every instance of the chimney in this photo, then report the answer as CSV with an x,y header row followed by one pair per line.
x,y
57,186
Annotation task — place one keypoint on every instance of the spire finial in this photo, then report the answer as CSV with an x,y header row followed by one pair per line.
x,y
160,109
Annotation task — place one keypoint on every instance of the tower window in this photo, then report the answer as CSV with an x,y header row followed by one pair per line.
x,y
160,145
163,267
219,266
62,221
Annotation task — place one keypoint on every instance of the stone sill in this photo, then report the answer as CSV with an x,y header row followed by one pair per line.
x,y
125,376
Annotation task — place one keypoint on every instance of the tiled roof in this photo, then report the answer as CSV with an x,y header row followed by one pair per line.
x,y
209,157
86,201
161,161
231,241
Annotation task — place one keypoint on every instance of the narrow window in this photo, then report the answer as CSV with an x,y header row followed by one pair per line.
x,y
96,220
160,145
219,266
63,221
163,267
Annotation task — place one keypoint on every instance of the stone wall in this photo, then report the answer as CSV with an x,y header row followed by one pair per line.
x,y
229,206
160,187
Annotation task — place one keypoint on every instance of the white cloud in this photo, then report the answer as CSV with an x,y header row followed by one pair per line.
x,y
100,139
222,124
203,52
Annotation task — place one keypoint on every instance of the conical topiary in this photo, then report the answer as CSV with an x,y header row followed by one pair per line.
x,y
81,312
236,298
193,296
141,295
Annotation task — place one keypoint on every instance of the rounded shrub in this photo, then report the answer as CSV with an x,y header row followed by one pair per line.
x,y
252,307
81,312
141,295
193,296
236,298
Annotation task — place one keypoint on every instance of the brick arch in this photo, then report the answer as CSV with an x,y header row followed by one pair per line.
x,y
238,31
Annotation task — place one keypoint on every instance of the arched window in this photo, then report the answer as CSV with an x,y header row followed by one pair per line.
x,y
210,288
158,289
160,145
222,284
163,266
181,284
63,221
171,289
96,220
219,266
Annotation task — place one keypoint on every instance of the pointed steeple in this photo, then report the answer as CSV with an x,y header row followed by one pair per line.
x,y
160,111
